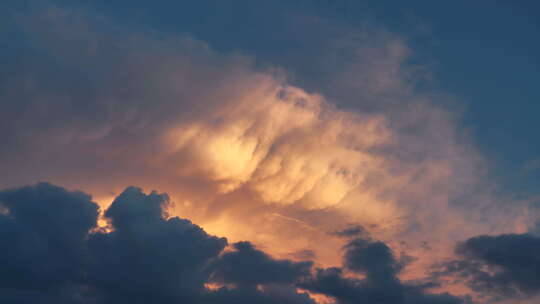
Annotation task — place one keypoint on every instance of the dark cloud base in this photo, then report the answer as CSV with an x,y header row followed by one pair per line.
x,y
498,267
54,252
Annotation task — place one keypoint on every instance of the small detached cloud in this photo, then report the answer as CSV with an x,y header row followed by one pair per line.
x,y
351,231
374,261
500,267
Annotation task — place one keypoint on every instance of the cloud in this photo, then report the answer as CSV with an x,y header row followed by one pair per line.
x,y
267,295
244,151
500,267
247,266
228,138
148,257
145,256
52,254
43,230
140,210
351,231
376,262
373,258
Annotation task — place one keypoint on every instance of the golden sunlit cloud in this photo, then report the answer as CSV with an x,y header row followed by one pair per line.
x,y
248,155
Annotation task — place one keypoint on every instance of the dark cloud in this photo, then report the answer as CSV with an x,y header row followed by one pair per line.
x,y
54,253
377,263
42,236
499,266
257,277
247,266
270,294
351,231
93,103
371,257
147,257
303,255
43,255
133,207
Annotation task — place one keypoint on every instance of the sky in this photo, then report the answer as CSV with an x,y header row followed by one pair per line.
x,y
269,152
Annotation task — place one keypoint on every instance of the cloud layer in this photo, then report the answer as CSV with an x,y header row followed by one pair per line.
x,y
246,152
53,252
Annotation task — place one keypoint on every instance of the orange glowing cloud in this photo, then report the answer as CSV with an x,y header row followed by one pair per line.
x,y
248,155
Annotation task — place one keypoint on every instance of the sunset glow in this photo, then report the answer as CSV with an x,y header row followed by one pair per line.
x,y
264,152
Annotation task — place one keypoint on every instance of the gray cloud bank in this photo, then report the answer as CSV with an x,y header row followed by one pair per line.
x,y
502,267
53,252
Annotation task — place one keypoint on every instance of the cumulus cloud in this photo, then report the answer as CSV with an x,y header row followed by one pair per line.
x,y
144,256
200,124
52,253
43,229
148,257
502,267
375,261
244,151
247,266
